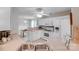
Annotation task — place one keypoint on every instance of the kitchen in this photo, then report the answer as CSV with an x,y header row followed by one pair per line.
x,y
46,25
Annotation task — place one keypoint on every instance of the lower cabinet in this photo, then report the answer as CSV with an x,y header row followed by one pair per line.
x,y
34,35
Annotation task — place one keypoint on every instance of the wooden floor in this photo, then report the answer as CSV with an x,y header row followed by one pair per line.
x,y
74,46
55,45
59,46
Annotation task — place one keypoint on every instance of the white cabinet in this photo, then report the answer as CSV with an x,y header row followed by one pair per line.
x,y
46,22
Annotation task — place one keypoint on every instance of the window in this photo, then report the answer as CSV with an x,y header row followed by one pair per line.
x,y
33,23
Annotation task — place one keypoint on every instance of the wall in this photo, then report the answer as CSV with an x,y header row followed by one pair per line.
x,y
13,20
75,13
75,16
17,21
4,18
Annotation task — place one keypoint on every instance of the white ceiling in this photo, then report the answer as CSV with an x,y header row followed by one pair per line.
x,y
31,10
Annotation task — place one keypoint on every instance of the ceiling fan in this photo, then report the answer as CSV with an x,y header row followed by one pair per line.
x,y
40,13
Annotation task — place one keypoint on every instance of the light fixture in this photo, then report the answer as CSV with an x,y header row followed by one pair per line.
x,y
39,15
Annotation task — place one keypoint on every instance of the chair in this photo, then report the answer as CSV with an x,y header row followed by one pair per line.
x,y
41,47
26,47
